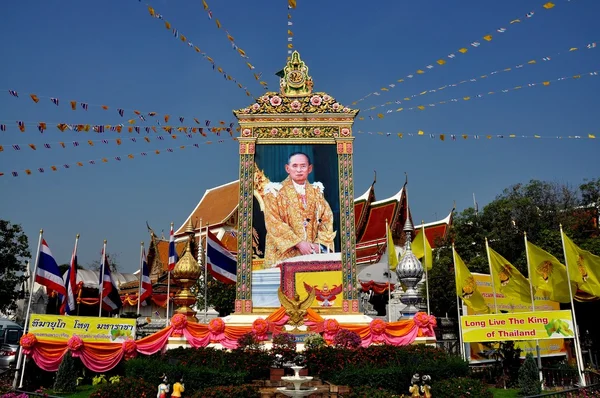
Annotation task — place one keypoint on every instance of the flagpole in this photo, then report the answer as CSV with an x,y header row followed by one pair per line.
x,y
425,261
460,338
487,249
169,281
537,342
205,274
103,264
577,345
27,314
140,279
73,256
387,239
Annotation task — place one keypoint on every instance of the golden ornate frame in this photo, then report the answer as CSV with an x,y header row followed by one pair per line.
x,y
296,115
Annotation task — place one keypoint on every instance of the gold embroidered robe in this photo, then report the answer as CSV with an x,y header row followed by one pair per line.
x,y
288,222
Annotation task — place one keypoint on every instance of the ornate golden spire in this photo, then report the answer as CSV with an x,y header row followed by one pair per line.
x,y
186,273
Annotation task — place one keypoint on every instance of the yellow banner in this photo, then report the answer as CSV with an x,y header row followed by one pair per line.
x,y
539,325
60,328
549,347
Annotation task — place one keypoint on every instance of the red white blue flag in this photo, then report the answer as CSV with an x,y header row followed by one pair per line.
x,y
221,264
111,300
48,273
146,289
172,253
69,303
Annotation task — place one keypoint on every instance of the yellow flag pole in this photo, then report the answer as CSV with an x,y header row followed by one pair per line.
x,y
425,262
387,235
487,249
577,345
537,342
460,338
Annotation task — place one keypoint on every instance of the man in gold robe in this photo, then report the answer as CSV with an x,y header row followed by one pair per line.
x,y
298,219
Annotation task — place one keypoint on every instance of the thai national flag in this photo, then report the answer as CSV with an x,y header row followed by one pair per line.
x,y
69,305
172,253
220,262
110,294
48,273
146,289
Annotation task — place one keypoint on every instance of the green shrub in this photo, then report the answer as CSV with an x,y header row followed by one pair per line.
x,y
529,378
126,388
196,378
284,349
66,377
314,341
461,387
371,392
243,391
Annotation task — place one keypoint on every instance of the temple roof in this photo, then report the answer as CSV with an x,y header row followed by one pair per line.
x,y
215,207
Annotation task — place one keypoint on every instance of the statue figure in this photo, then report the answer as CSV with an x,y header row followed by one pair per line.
x,y
163,388
414,389
178,387
296,309
426,388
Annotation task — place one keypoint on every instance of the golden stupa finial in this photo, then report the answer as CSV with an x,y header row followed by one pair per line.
x,y
189,228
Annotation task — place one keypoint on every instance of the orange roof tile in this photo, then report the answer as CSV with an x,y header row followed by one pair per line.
x,y
162,247
215,207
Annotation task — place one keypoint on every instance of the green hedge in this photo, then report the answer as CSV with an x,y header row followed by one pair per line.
x,y
126,388
243,391
195,378
332,363
461,387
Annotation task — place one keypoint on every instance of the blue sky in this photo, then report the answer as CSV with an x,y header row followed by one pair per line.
x,y
114,53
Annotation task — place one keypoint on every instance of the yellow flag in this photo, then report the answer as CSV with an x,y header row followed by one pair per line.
x,y
292,3
422,248
548,274
391,251
583,267
466,287
508,279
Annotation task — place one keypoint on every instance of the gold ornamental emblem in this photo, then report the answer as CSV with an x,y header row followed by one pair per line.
x,y
545,269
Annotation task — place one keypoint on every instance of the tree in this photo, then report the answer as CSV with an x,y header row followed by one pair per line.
x,y
537,208
14,249
113,260
221,296
66,377
529,379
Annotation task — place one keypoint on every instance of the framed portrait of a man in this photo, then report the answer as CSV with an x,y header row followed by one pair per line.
x,y
296,208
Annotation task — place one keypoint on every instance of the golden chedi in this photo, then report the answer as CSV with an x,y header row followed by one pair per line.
x,y
186,273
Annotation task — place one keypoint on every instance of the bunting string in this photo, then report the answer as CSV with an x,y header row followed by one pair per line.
x,y
136,114
42,170
290,34
117,141
461,51
454,137
178,35
588,46
101,128
468,98
242,53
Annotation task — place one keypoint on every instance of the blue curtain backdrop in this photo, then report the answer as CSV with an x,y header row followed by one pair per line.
x,y
271,159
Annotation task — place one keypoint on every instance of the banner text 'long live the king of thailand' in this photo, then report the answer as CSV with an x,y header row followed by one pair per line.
x,y
539,325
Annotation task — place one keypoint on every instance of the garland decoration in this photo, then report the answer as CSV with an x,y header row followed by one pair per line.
x,y
242,53
588,46
545,83
178,35
463,50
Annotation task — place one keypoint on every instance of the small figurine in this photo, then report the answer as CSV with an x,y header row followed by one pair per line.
x,y
414,389
163,388
178,387
425,387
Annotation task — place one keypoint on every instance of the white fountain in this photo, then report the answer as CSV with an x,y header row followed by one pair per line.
x,y
297,380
